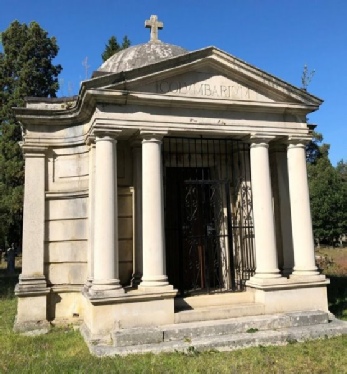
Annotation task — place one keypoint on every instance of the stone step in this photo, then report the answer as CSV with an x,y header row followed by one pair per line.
x,y
219,312
218,299
234,341
186,332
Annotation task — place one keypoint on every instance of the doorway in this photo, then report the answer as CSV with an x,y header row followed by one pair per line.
x,y
205,250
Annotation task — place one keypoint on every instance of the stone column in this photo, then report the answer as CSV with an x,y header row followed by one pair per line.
x,y
267,271
32,287
91,213
303,243
154,269
106,273
137,180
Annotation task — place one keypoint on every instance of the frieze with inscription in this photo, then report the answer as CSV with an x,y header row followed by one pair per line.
x,y
228,90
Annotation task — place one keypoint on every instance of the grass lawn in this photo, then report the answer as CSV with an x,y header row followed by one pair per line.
x,y
333,262
63,350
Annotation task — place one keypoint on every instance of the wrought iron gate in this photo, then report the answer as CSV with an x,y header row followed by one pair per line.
x,y
208,214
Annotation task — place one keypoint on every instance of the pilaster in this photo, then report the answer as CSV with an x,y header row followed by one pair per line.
x,y
91,212
32,287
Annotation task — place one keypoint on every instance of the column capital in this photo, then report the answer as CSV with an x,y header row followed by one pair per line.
x,y
262,140
33,150
155,134
106,133
299,141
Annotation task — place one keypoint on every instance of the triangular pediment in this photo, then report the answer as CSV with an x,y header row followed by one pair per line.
x,y
204,83
207,74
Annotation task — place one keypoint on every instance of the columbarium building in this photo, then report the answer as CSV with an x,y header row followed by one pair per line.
x,y
174,183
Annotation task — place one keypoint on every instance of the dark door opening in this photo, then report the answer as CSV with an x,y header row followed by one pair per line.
x,y
208,215
194,231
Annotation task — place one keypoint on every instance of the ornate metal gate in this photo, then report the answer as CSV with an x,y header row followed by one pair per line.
x,y
208,214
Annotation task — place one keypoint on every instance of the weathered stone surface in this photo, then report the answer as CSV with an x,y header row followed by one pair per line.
x,y
280,333
219,312
139,336
140,55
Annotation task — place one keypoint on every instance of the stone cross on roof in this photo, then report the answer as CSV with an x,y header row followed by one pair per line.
x,y
154,25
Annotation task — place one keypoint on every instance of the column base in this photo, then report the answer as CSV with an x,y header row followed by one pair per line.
x,y
31,315
155,288
307,277
29,284
154,282
259,281
106,288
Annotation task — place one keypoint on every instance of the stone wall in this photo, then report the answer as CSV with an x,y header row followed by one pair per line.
x,y
67,227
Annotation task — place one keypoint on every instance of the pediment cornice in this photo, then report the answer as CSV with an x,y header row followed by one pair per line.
x,y
265,92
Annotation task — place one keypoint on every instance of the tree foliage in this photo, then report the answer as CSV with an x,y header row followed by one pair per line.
x,y
26,69
342,169
328,194
113,46
313,149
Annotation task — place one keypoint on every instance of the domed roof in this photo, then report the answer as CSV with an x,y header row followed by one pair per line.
x,y
140,55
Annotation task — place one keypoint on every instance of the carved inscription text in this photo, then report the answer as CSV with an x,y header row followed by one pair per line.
x,y
227,91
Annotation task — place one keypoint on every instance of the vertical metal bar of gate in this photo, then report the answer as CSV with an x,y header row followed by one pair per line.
x,y
231,246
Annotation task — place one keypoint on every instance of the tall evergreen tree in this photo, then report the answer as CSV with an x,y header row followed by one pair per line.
x,y
113,46
26,69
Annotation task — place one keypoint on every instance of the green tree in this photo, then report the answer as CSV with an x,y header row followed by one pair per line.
x,y
341,168
328,194
26,69
315,150
113,46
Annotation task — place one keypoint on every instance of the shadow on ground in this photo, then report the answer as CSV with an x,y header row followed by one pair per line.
x,y
337,296
8,282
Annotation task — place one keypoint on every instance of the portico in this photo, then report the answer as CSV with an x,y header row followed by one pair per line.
x,y
176,178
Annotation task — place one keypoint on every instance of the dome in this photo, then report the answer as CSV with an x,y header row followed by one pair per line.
x,y
140,55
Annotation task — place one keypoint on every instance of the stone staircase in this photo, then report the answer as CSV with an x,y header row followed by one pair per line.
x,y
206,323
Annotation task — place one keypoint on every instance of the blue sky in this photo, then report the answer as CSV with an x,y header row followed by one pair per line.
x,y
278,36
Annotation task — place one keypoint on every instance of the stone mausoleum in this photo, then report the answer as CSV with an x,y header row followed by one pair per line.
x,y
172,189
